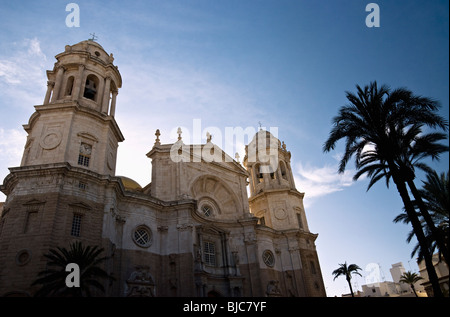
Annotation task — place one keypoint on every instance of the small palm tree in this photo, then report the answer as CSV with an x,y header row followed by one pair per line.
x,y
53,279
411,279
347,271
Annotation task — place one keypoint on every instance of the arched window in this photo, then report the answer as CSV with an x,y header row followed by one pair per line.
x,y
283,170
300,222
90,87
69,86
262,221
85,154
258,173
312,267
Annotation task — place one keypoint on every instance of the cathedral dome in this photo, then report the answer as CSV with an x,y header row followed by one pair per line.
x,y
85,43
264,138
129,183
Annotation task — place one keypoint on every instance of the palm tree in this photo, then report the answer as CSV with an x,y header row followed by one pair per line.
x,y
383,131
413,147
403,217
411,279
436,192
347,271
53,280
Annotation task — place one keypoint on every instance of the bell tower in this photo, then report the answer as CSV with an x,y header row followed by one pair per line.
x,y
64,188
273,196
75,123
279,207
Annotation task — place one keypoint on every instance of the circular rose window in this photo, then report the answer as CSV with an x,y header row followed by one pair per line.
x,y
142,236
23,257
268,258
206,210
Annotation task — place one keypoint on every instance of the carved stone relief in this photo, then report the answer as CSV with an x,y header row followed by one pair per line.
x,y
140,283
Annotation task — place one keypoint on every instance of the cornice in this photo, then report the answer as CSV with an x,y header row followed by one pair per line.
x,y
266,192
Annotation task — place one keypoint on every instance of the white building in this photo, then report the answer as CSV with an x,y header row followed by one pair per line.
x,y
393,288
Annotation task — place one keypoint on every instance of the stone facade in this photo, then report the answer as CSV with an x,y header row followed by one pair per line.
x,y
193,231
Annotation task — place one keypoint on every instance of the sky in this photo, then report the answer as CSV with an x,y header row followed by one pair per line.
x,y
284,65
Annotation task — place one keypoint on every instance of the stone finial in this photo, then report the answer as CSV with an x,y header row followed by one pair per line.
x,y
208,137
157,133
179,133
236,156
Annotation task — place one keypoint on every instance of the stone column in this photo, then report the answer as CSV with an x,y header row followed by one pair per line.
x,y
254,180
291,176
112,111
105,99
99,97
251,254
297,268
78,83
50,85
58,83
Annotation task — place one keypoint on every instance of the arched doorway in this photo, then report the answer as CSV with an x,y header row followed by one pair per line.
x,y
213,294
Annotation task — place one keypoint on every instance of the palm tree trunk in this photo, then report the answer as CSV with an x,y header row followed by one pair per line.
x,y
417,227
426,216
351,289
414,290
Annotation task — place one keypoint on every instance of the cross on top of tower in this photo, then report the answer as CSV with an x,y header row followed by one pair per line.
x,y
94,37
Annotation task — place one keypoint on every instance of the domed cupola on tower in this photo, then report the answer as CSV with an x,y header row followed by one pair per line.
x,y
268,163
85,73
76,123
273,196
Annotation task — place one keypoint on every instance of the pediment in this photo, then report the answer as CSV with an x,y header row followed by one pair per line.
x,y
81,205
221,158
233,165
88,136
34,202
211,229
208,153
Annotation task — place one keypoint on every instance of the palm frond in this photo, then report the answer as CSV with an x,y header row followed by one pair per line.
x,y
88,259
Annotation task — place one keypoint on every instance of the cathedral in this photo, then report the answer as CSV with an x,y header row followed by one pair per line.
x,y
200,228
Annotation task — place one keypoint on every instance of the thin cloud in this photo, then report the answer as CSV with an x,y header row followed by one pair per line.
x,y
180,91
22,73
320,181
11,145
12,142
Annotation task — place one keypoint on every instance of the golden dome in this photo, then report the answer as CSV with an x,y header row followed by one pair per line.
x,y
130,184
